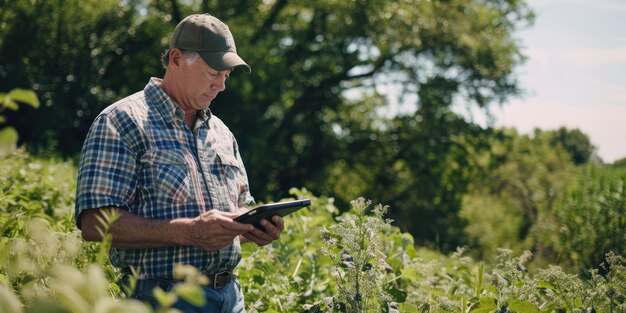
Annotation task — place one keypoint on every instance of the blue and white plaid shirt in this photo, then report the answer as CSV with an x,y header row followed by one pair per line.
x,y
139,155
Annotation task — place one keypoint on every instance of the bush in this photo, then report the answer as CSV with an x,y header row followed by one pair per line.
x,y
32,187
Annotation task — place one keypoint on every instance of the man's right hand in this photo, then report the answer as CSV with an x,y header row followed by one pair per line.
x,y
210,231
213,230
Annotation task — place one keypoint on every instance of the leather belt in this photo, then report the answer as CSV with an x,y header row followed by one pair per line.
x,y
221,279
216,281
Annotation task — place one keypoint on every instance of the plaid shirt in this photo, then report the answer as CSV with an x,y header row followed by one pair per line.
x,y
139,155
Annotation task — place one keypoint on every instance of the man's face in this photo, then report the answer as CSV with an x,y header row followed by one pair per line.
x,y
200,83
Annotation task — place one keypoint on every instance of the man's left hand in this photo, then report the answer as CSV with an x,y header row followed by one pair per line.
x,y
272,232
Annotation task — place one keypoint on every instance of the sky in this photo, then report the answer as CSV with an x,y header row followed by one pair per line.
x,y
575,74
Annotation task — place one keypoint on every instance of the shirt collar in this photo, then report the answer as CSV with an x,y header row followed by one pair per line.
x,y
205,114
163,103
166,106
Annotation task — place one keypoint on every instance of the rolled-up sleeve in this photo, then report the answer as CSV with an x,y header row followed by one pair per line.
x,y
107,170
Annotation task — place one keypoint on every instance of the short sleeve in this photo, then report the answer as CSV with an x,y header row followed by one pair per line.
x,y
107,170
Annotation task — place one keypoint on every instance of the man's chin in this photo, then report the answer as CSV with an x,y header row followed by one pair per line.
x,y
204,106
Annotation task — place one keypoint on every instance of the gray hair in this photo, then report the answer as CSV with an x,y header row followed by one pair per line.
x,y
190,57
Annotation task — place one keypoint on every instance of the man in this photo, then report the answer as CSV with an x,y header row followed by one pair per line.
x,y
173,173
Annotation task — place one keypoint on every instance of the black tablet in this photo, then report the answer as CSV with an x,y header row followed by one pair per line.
x,y
267,211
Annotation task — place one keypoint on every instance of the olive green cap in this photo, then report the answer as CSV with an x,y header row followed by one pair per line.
x,y
211,38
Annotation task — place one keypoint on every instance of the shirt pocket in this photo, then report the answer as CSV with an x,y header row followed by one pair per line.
x,y
168,175
230,168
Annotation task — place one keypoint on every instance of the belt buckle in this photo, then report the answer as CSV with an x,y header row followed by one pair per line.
x,y
216,282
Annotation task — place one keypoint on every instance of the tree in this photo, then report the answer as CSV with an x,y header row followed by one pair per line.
x,y
78,57
575,142
312,133
619,163
316,67
527,178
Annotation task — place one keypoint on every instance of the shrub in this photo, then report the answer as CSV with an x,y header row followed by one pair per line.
x,y
593,218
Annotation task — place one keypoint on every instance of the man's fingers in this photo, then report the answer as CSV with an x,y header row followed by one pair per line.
x,y
270,229
225,220
261,233
254,237
224,228
274,228
279,223
231,215
236,227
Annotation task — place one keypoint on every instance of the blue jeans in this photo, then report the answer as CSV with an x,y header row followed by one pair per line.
x,y
223,300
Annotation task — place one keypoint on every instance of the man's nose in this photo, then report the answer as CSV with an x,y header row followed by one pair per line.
x,y
219,84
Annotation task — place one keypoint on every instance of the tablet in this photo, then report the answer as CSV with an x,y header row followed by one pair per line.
x,y
267,211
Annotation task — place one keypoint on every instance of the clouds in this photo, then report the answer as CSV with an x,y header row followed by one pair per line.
x,y
579,56
603,123
575,74
613,5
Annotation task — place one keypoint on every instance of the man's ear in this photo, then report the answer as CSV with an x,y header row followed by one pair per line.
x,y
176,56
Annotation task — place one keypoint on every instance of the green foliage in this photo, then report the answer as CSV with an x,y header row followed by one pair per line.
x,y
526,177
414,161
576,143
46,267
77,56
563,213
485,229
592,218
31,187
323,71
452,286
8,135
290,272
360,269
620,163
10,101
601,292
37,224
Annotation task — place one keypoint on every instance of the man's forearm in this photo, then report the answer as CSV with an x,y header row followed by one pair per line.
x,y
130,231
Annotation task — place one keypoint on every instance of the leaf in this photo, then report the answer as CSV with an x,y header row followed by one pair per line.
x,y
479,279
259,280
521,306
24,96
165,299
542,284
110,305
46,306
9,301
397,294
484,305
191,293
8,140
8,103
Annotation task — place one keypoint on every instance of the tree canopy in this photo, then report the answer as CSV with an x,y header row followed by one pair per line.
x,y
345,98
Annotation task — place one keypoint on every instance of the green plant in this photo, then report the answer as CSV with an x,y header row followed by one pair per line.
x,y
8,135
359,266
46,267
592,218
35,187
291,272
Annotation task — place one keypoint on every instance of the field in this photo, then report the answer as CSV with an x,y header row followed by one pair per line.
x,y
325,262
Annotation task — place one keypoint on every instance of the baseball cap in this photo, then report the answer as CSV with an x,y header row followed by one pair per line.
x,y
211,38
